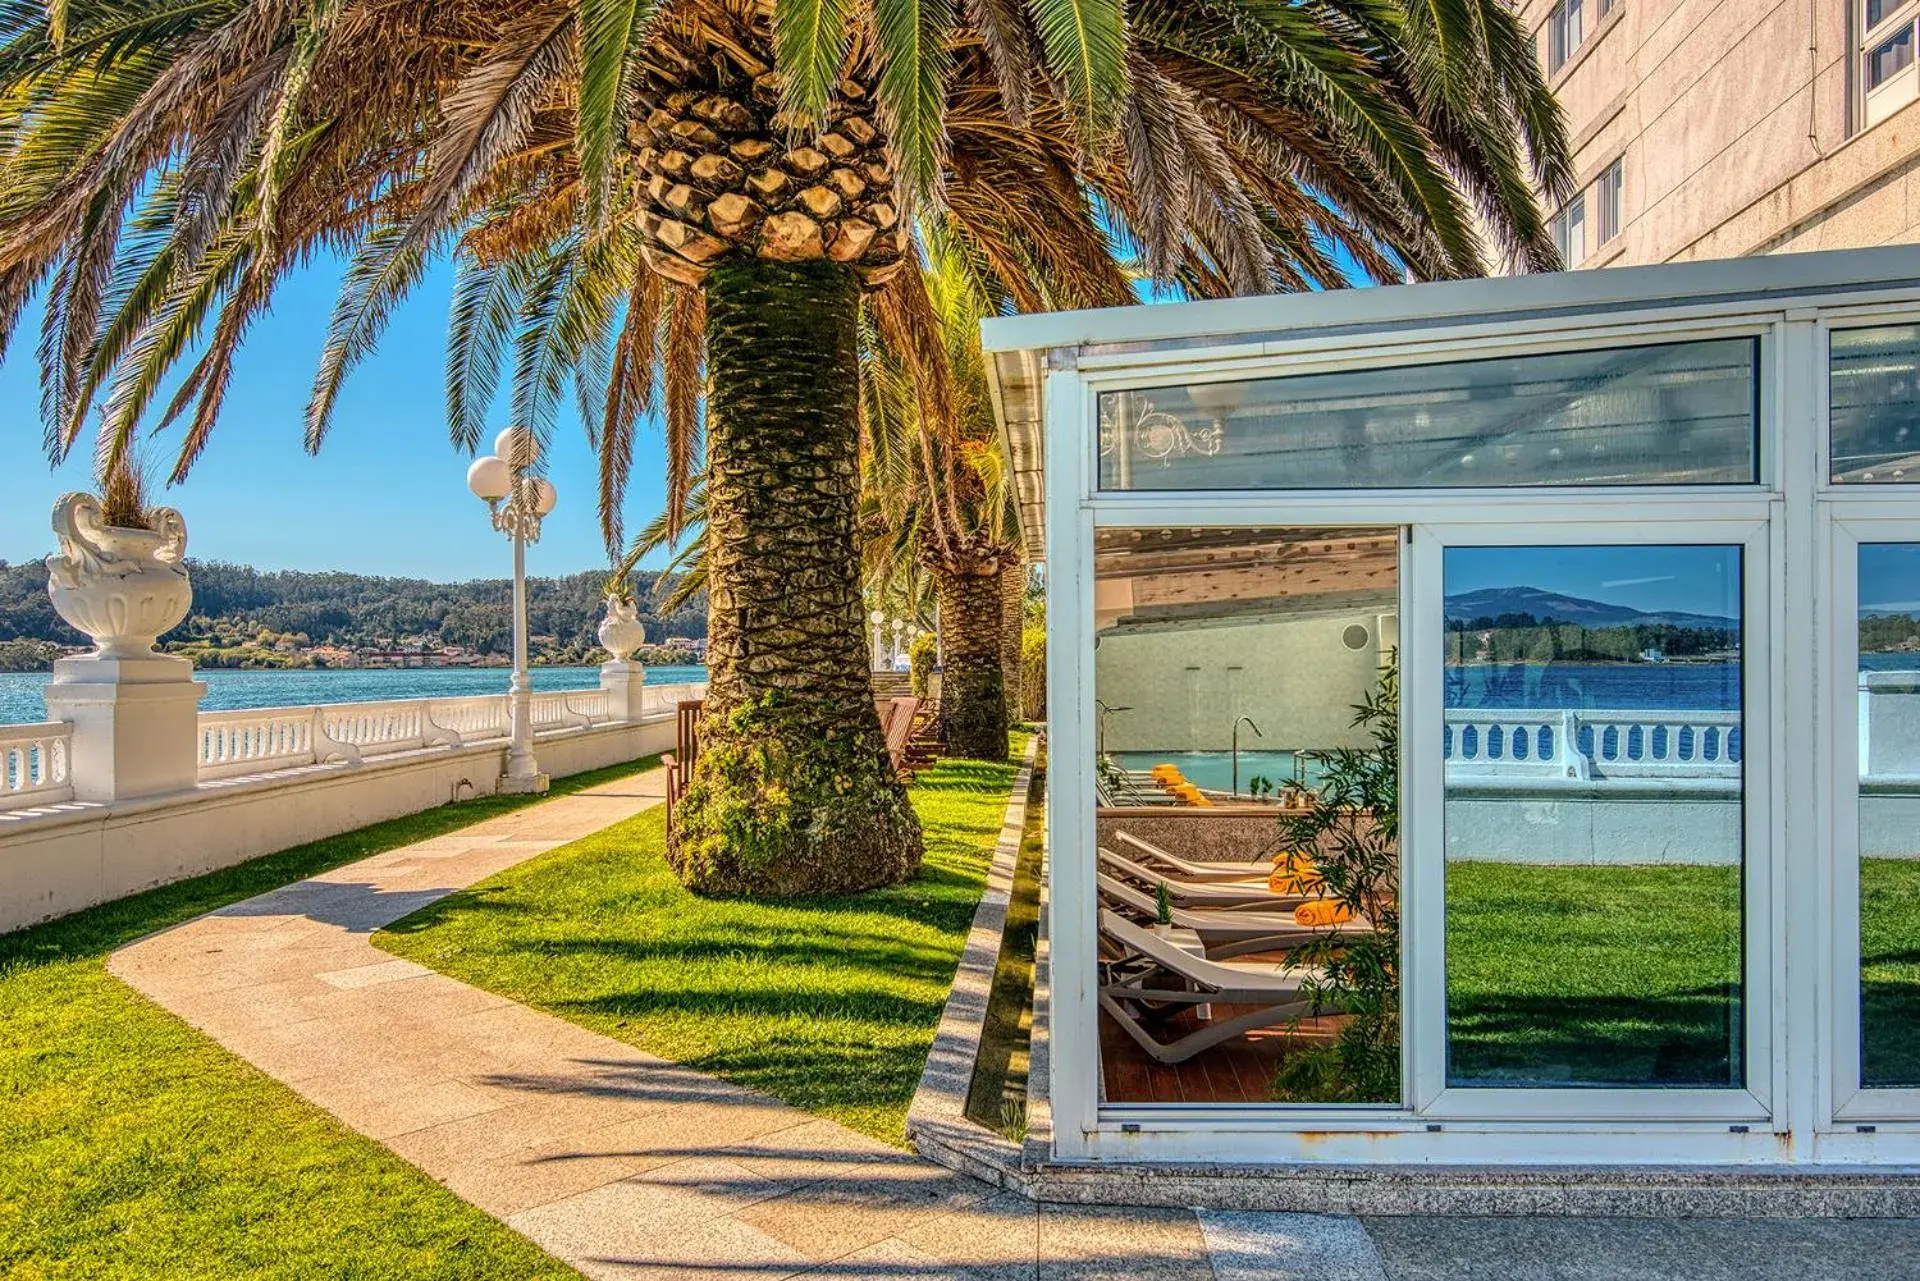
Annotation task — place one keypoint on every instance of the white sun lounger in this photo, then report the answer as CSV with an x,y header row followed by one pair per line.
x,y
1148,852
1185,893
1226,932
1134,990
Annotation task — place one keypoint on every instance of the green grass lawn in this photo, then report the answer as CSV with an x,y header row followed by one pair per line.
x,y
1593,975
133,1147
1890,971
829,1004
1630,975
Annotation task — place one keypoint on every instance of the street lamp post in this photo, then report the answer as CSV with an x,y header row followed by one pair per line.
x,y
518,502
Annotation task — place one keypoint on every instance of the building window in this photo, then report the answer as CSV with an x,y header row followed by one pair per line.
x,y
1568,28
1570,232
1607,192
1888,39
1890,58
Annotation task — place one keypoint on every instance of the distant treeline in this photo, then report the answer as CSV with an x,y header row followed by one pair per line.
x,y
1889,631
237,608
1523,638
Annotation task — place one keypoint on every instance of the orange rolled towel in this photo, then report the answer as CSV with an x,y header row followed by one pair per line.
x,y
1295,875
1323,911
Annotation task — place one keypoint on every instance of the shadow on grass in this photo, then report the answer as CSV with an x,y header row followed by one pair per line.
x,y
829,1003
97,931
1678,1040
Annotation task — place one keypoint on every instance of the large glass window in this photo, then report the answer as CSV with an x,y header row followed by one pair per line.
x,y
1593,816
1889,801
1671,413
1248,810
1874,398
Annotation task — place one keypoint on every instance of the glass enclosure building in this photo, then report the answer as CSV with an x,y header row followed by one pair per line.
x,y
1484,717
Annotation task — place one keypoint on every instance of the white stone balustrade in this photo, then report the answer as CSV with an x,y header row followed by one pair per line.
x,y
235,743
1591,746
34,764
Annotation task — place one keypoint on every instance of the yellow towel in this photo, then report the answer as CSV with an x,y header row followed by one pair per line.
x,y
1322,911
1166,771
1294,874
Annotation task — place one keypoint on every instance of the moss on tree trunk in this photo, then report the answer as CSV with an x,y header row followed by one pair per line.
x,y
792,793
972,699
1013,600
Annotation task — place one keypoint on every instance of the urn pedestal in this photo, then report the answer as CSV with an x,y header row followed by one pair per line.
x,y
620,634
136,724
135,713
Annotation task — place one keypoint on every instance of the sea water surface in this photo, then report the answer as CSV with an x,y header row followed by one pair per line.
x,y
21,701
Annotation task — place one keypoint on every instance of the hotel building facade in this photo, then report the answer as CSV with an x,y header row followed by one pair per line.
x,y
1702,129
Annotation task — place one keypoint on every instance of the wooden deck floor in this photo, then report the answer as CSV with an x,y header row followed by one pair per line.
x,y
1240,1071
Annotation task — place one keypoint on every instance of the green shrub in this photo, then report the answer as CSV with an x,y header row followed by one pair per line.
x,y
920,657
1033,672
1352,832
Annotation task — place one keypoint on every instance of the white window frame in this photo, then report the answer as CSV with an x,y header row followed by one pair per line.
x,y
1849,515
1791,502
1874,103
1562,41
1610,202
1664,524
1569,231
1852,1102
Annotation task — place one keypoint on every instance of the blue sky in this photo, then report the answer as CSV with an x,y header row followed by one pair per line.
x,y
1890,578
1694,580
386,495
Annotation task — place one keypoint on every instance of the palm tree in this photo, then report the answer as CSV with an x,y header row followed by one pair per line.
x,y
934,497
731,181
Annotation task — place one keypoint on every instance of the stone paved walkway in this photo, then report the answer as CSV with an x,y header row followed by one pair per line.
x,y
622,1164
629,1166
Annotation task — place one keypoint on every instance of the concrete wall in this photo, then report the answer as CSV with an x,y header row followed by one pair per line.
x,y
1186,685
62,858
1737,129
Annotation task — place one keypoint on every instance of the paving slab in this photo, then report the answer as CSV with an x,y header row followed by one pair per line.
x,y
1289,1247
1474,1248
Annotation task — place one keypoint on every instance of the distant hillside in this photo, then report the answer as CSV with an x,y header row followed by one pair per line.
x,y
234,605
1531,602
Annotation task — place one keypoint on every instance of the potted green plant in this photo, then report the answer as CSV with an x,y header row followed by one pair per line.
x,y
1162,910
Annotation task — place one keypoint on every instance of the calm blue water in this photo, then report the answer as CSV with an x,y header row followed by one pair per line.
x,y
1683,687
20,699
1214,770
1692,687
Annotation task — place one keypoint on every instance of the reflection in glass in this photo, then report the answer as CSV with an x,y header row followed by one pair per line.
x,y
1227,669
1674,413
1890,814
1874,394
1593,816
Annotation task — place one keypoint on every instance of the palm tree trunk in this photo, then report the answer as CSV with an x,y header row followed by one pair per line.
x,y
792,793
1013,600
972,700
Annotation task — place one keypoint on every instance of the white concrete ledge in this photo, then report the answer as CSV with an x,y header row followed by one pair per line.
x,y
62,857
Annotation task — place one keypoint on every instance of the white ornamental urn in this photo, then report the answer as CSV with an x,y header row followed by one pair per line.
x,y
620,631
122,587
